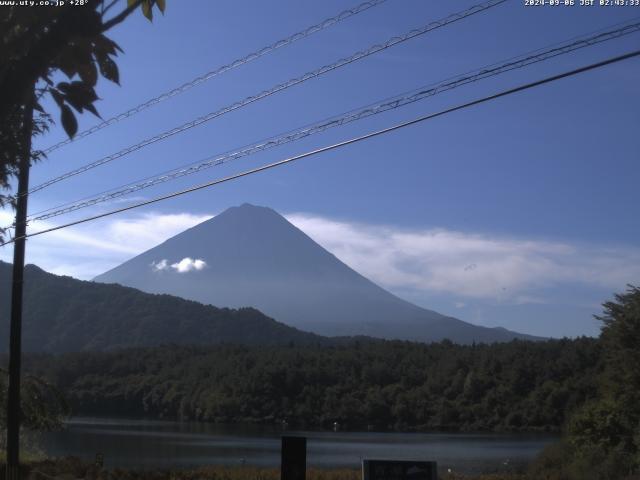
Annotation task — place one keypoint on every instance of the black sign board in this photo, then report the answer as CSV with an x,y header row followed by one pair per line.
x,y
293,458
398,470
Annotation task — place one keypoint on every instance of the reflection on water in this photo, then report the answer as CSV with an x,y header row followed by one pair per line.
x,y
162,444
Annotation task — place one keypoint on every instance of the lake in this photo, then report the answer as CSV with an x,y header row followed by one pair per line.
x,y
163,444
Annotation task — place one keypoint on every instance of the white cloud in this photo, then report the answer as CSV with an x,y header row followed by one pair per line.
x,y
145,231
432,261
185,265
159,266
467,264
188,264
93,248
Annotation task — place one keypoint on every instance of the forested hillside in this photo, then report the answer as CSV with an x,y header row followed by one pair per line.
x,y
398,385
62,314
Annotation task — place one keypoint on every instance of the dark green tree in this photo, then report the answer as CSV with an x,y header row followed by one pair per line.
x,y
602,439
605,433
37,43
43,405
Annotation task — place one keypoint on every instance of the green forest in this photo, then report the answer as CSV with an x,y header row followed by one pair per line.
x,y
62,314
586,388
383,385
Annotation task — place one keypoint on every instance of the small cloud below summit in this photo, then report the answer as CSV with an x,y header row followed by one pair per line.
x,y
187,264
159,266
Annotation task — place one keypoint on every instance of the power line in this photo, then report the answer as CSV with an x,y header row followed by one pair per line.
x,y
344,143
278,88
351,116
220,70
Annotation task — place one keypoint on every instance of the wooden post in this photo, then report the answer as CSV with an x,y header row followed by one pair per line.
x,y
293,464
15,335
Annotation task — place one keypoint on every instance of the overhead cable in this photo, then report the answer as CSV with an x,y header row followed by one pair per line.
x,y
351,116
278,88
220,70
344,143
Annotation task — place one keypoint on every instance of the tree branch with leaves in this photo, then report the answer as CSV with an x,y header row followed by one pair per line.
x,y
37,43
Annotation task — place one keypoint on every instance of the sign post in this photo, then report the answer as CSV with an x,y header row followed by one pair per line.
x,y
293,458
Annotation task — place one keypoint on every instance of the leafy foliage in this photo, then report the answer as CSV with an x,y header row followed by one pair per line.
x,y
37,44
606,431
517,386
43,407
603,436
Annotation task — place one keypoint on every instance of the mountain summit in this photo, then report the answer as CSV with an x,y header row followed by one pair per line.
x,y
252,256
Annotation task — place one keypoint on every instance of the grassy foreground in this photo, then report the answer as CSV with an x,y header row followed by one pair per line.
x,y
73,468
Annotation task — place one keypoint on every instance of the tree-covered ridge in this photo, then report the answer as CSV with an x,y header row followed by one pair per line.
x,y
62,314
512,386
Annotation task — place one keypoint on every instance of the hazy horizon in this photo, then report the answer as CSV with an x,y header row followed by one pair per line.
x,y
459,277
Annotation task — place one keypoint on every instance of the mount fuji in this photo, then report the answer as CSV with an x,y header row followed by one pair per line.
x,y
251,256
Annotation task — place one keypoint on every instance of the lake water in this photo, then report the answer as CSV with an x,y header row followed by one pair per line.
x,y
163,444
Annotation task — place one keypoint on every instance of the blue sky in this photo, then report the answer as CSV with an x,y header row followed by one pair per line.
x,y
517,213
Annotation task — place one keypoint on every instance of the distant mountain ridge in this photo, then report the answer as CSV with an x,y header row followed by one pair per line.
x,y
62,314
252,256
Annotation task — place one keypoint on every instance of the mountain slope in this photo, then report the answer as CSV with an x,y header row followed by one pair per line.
x,y
62,314
252,256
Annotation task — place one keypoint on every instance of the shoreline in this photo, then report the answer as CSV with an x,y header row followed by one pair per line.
x,y
144,444
47,468
87,419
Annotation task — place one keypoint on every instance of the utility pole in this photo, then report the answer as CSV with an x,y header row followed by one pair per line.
x,y
15,336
